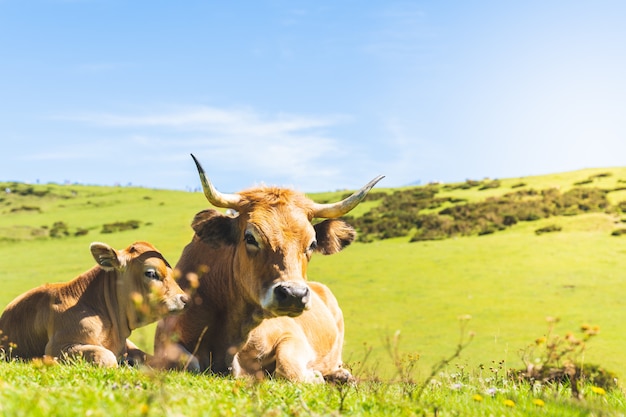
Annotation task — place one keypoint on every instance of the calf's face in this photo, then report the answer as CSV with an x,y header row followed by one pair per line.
x,y
146,286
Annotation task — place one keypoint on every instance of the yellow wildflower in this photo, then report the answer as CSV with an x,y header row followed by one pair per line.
x,y
598,390
477,397
509,403
144,409
539,402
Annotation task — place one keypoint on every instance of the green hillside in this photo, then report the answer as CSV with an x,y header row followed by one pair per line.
x,y
508,280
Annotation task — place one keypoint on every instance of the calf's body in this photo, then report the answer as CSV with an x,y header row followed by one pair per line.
x,y
93,315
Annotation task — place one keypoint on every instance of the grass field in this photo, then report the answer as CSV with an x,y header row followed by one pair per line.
x,y
38,390
508,282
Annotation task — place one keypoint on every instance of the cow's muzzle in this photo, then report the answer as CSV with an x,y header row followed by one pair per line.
x,y
289,299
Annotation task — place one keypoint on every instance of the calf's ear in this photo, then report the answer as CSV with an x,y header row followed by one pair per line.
x,y
333,235
214,228
105,255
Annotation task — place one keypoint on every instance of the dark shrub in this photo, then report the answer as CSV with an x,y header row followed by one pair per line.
x,y
401,212
81,232
120,226
489,185
548,229
59,230
25,208
601,175
509,220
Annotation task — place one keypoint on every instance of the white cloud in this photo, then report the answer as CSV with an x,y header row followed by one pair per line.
x,y
283,149
210,119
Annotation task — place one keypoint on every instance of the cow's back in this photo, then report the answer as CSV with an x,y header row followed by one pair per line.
x,y
24,324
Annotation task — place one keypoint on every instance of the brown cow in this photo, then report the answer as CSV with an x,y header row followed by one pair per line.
x,y
306,348
247,268
92,315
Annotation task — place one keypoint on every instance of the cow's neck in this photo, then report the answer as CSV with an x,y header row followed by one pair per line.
x,y
240,314
234,316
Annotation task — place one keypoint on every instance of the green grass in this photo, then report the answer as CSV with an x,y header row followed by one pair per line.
x,y
80,390
509,282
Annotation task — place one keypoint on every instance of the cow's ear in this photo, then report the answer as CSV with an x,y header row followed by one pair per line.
x,y
105,255
214,228
333,235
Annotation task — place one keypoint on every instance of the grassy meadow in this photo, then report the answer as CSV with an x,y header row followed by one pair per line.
x,y
412,298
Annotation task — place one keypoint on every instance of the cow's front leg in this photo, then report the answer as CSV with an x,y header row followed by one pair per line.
x,y
293,358
340,376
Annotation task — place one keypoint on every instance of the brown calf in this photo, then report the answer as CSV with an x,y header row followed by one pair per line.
x,y
92,315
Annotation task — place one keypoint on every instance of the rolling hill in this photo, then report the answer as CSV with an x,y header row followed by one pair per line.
x,y
506,275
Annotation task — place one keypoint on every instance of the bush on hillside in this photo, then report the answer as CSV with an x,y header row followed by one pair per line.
x,y
25,208
81,232
59,230
490,184
560,359
120,226
413,212
548,229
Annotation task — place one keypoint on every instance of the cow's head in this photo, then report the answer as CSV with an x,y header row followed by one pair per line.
x,y
146,289
273,238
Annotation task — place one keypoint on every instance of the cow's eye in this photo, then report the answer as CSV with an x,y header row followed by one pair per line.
x,y
313,246
248,237
151,273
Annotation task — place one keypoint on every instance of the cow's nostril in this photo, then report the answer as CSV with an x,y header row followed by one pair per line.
x,y
290,295
281,293
301,293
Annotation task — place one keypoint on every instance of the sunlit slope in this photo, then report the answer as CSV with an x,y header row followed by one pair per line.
x,y
508,281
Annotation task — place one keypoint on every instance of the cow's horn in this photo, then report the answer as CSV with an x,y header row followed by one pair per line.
x,y
338,209
215,197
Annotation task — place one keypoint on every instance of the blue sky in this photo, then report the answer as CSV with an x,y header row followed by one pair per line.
x,y
315,95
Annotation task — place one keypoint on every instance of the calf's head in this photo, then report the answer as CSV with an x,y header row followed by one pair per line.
x,y
273,239
145,284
